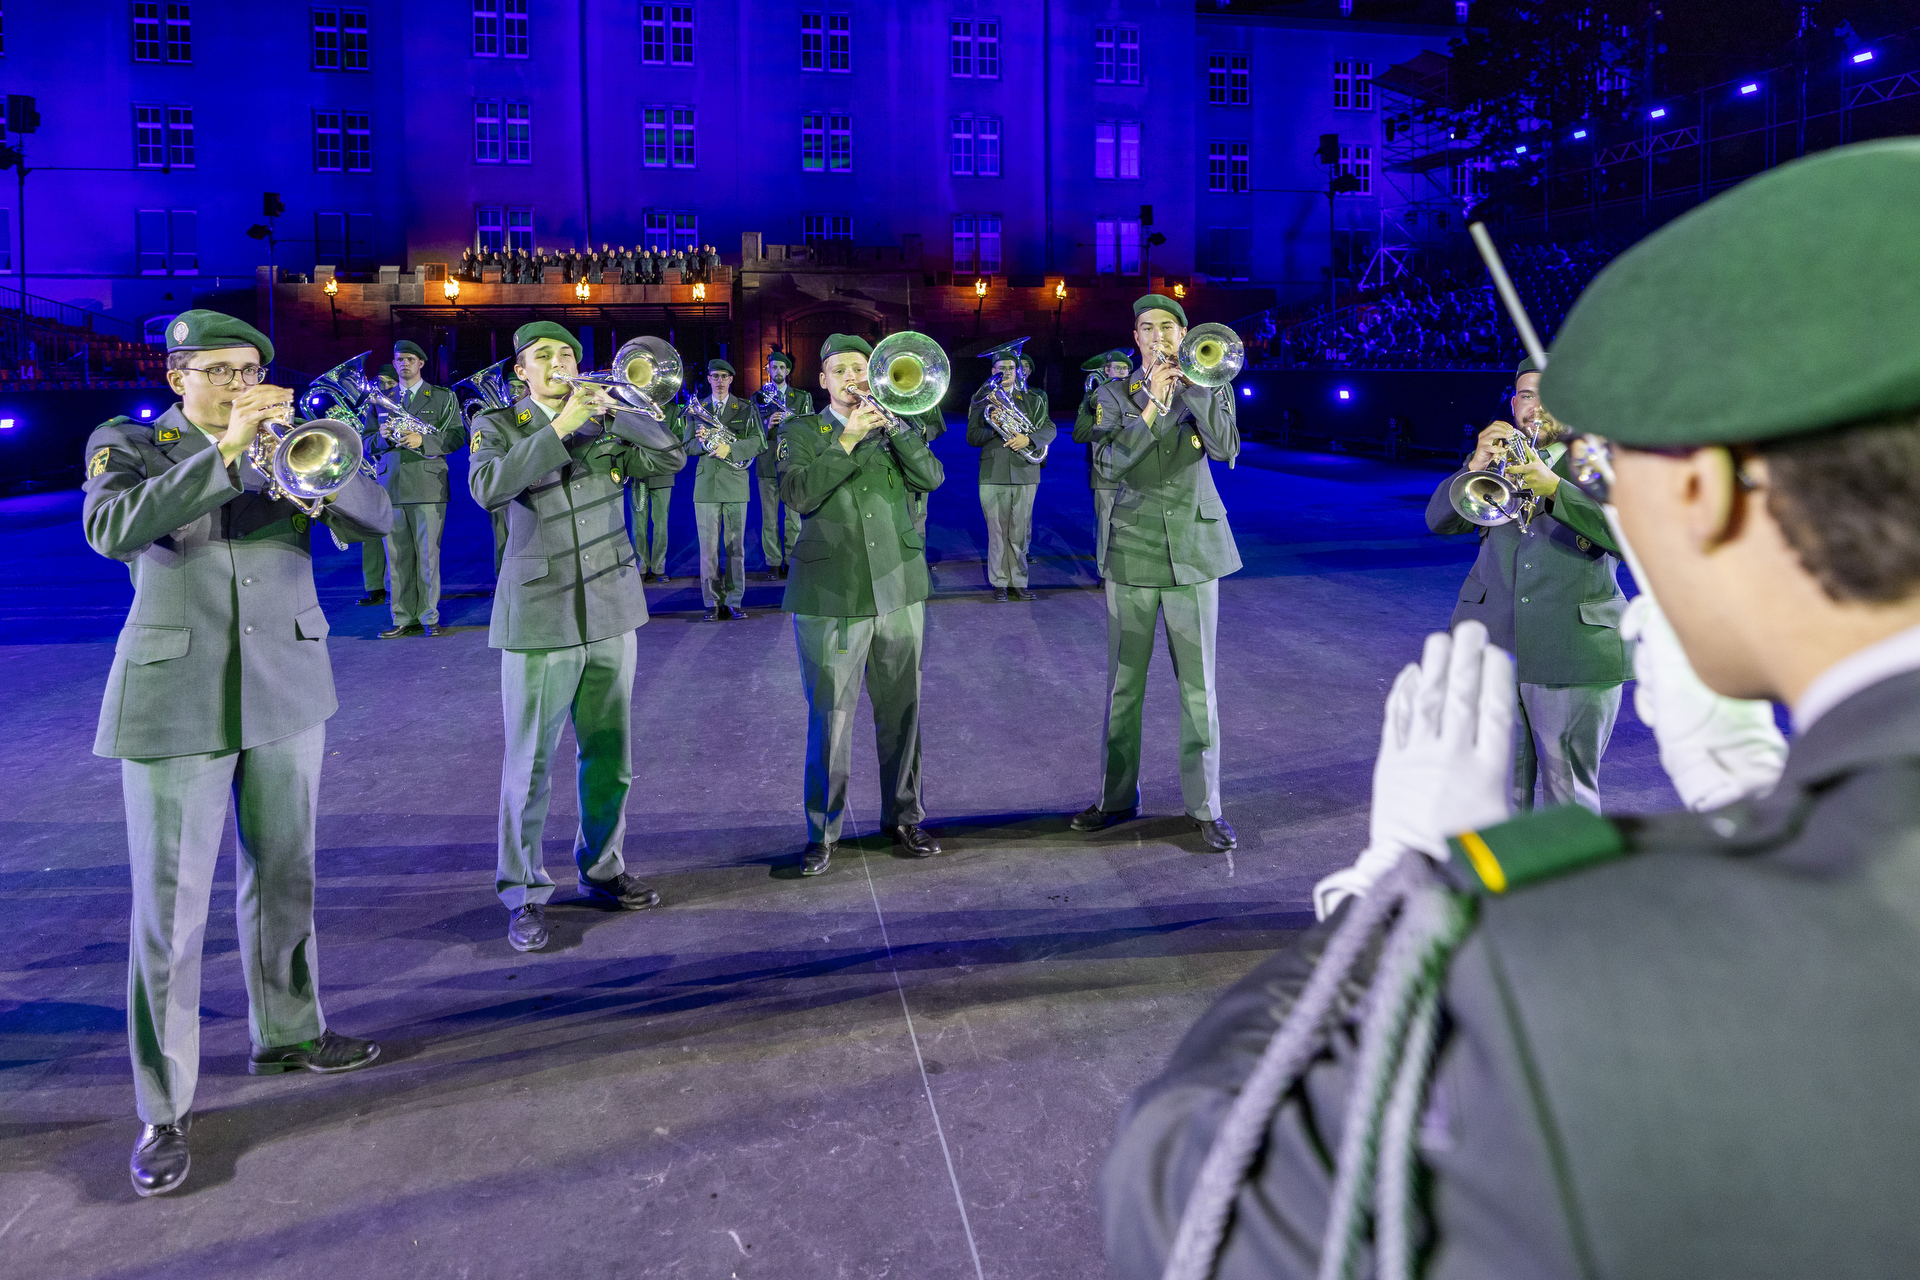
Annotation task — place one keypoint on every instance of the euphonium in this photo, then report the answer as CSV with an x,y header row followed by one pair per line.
x,y
712,433
913,377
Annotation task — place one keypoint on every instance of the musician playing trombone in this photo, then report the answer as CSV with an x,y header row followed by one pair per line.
x,y
1168,546
218,696
412,468
564,616
721,489
1547,588
1009,465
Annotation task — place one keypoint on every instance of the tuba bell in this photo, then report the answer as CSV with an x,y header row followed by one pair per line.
x,y
491,388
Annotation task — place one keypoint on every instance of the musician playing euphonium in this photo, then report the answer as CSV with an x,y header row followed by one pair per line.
x,y
721,490
777,401
218,698
412,468
1009,480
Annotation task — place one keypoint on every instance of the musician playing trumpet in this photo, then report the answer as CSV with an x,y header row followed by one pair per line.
x,y
218,697
1009,465
1547,588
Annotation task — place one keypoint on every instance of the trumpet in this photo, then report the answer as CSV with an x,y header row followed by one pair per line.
x,y
712,433
1211,355
914,375
305,463
1491,497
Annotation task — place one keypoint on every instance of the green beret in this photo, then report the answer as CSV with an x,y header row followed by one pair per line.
x,y
1119,355
1525,366
1160,302
720,366
839,343
777,356
1095,362
1005,351
1783,307
407,347
528,334
387,371
212,330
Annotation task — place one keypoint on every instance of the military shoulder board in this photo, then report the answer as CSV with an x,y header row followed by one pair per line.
x,y
1535,846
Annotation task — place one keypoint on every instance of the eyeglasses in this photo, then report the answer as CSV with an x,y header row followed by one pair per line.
x,y
221,374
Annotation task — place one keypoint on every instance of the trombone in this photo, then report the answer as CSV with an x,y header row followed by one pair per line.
x,y
914,375
646,375
1211,355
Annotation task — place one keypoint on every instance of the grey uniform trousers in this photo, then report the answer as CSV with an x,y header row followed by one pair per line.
x,y
1561,733
777,535
1192,614
373,565
176,814
1102,518
540,691
413,556
1009,512
650,549
836,654
723,551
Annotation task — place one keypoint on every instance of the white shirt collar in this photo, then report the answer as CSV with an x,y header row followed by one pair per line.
x,y
1896,655
411,387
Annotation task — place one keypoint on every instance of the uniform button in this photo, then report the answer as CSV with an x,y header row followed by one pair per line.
x,y
583,519
1525,600
249,630
1526,566
246,582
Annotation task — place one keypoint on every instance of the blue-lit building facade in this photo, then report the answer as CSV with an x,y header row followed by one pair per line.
x,y
1007,140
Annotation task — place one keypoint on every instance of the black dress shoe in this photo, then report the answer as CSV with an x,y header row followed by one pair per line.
x,y
372,597
815,859
1019,593
1217,834
623,891
1093,817
410,629
331,1054
527,927
917,842
711,615
649,576
1000,595
160,1158
736,614
783,571
433,629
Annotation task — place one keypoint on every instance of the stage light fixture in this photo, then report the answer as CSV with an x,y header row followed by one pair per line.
x,y
1749,88
1658,113
1345,394
1579,133
6,424
146,413
1865,55
1520,150
1247,392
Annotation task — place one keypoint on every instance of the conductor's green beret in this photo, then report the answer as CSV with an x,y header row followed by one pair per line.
x,y
720,366
840,343
528,334
777,356
408,347
1784,307
212,330
1160,302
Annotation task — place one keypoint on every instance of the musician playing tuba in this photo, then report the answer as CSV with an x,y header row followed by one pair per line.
x,y
1008,423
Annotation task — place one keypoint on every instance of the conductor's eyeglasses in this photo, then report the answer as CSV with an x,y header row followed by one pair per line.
x,y
220,375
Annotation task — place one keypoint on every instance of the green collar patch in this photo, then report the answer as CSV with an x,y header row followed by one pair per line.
x,y
1535,846
166,435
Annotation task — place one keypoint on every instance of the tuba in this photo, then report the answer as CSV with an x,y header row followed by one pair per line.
x,y
491,388
913,377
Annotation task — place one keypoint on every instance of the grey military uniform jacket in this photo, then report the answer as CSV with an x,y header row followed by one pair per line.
x,y
1089,428
718,480
1169,526
1549,595
567,575
999,464
663,478
420,475
1693,1062
225,647
766,467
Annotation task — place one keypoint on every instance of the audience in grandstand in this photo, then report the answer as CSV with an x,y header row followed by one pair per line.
x,y
606,265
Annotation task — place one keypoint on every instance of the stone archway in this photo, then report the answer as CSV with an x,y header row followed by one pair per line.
x,y
805,333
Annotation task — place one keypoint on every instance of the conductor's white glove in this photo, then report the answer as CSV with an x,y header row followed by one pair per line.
x,y
1446,758
1715,749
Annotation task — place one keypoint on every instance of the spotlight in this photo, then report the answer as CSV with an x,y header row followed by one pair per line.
x,y
1247,392
146,413
1520,150
1579,133
6,424
1658,113
1749,88
1865,55
1345,394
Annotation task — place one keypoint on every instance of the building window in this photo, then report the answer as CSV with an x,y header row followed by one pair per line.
x,y
653,34
1229,167
359,141
839,142
815,227
149,135
1103,55
519,131
1216,166
486,28
1227,80
326,39
344,239
179,136
520,229
653,137
513,28
963,146
813,141
989,243
683,137
179,36
488,235
960,43
6,239
686,231
1116,246
486,132
986,50
683,35
1352,86
169,242
1128,51
1229,253
356,46
840,42
813,42
1357,162
659,230
986,146
963,244
328,151
1116,149
146,31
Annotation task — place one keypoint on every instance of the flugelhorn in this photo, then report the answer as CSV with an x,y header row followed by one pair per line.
x,y
307,462
912,377
1491,497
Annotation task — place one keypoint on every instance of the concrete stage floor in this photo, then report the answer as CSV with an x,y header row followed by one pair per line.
x,y
901,1068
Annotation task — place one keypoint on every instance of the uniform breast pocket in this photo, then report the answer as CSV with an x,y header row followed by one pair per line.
x,y
1473,591
143,645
